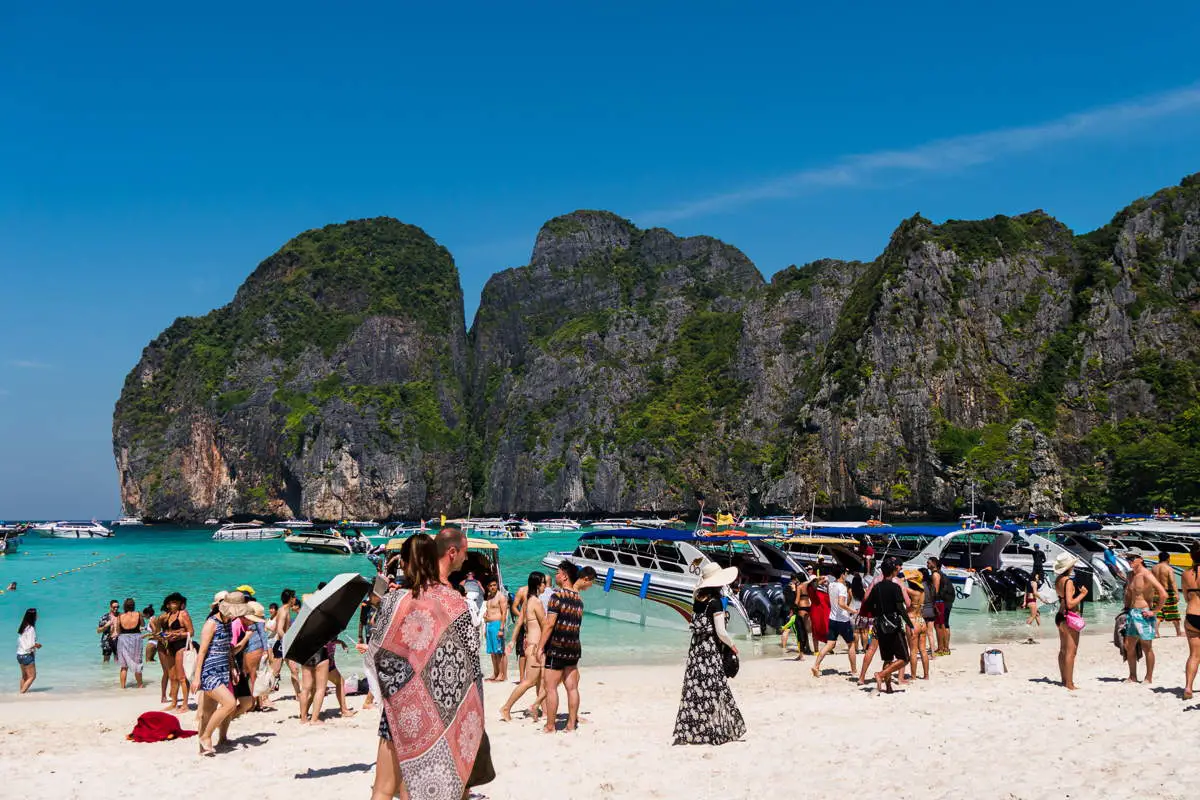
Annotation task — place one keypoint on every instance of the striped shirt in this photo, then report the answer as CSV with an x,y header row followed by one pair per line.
x,y
564,639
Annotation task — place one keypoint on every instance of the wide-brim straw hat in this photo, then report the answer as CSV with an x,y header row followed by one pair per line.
x,y
234,604
712,575
1064,563
220,597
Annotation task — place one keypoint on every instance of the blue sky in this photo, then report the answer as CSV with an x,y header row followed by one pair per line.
x,y
150,157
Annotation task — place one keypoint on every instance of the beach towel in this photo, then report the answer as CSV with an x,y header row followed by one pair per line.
x,y
1119,635
158,726
819,613
425,654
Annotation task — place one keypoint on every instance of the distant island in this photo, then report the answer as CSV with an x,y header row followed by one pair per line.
x,y
626,369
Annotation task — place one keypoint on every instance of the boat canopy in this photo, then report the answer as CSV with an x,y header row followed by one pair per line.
x,y
1078,527
472,544
670,535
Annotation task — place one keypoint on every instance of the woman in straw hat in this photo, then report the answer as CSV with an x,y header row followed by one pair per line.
x,y
707,711
213,676
1070,599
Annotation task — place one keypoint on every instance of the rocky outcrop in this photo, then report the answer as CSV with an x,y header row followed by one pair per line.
x,y
633,370
332,385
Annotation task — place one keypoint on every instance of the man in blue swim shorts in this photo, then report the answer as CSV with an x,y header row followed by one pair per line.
x,y
1144,596
495,617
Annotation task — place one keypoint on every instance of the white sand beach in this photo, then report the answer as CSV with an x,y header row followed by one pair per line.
x,y
960,735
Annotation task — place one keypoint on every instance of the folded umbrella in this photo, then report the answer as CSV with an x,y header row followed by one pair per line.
x,y
324,614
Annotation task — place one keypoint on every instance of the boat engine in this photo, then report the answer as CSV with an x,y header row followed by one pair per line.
x,y
1007,587
766,605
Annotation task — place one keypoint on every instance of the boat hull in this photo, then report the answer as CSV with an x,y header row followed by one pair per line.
x,y
309,547
55,534
246,536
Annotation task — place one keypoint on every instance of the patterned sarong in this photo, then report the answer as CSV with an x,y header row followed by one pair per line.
x,y
129,651
426,659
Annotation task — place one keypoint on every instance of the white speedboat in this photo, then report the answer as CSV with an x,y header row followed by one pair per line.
x,y
495,527
963,554
128,522
358,524
342,540
774,523
556,525
648,576
295,524
74,530
612,524
212,521
247,532
10,537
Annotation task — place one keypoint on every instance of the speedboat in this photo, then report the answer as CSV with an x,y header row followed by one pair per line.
x,y
611,524
648,576
10,537
556,525
774,523
74,530
483,559
212,521
128,522
497,528
341,540
357,524
295,524
247,532
964,554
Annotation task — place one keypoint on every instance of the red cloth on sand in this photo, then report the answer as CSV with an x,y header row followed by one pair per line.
x,y
158,726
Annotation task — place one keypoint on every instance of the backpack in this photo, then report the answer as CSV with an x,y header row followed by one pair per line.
x,y
946,590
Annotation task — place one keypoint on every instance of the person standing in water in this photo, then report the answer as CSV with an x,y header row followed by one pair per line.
x,y
1144,596
495,622
1165,574
27,647
108,642
127,630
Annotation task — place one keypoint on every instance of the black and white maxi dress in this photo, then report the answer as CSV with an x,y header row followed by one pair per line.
x,y
707,711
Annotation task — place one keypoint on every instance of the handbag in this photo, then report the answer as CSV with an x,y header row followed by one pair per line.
x,y
889,623
264,681
1075,621
189,659
729,661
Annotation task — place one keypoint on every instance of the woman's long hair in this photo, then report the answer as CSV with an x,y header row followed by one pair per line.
x,y
421,564
536,581
27,621
856,588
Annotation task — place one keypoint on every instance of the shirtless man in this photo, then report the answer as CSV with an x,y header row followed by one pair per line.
x,y
495,621
1165,573
1144,596
282,621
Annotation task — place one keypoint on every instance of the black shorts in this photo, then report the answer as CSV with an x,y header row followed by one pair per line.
x,y
319,658
840,628
519,644
277,648
893,646
560,663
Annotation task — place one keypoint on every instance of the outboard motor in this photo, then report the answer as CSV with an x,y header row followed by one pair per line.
x,y
764,605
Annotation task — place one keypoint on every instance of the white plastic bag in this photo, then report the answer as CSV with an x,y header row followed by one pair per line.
x,y
992,663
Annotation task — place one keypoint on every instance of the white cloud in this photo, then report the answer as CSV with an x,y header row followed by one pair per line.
x,y
946,155
20,363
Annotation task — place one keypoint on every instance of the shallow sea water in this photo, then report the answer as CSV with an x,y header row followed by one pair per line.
x,y
76,579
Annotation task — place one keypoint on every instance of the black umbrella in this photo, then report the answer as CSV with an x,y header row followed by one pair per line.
x,y
325,614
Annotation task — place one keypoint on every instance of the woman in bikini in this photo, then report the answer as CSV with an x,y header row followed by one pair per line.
x,y
531,622
803,611
1191,622
916,631
176,628
1069,599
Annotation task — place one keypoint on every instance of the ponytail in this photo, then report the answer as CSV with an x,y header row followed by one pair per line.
x,y
421,566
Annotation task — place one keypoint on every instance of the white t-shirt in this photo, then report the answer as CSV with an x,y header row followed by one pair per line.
x,y
838,593
26,640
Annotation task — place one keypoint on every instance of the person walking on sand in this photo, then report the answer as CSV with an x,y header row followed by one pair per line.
x,y
561,650
1070,599
886,602
1191,623
127,630
432,742
214,672
708,714
1144,596
530,626
802,608
108,642
495,624
289,607
1165,574
840,615
861,621
27,647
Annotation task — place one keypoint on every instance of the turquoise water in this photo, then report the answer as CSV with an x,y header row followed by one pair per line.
x,y
76,579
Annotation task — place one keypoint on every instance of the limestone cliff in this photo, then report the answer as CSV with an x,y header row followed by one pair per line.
x,y
332,385
633,370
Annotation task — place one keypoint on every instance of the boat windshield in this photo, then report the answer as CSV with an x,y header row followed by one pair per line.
x,y
662,556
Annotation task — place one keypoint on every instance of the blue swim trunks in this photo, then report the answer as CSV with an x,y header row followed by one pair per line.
x,y
1139,626
495,642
